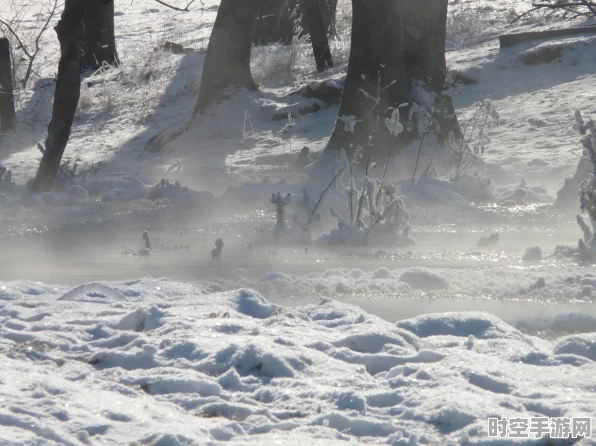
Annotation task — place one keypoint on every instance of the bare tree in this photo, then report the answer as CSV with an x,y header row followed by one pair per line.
x,y
7,113
404,48
99,43
70,31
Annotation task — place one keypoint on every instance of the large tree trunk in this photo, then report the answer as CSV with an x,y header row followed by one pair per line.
x,y
66,96
7,112
227,63
425,34
376,62
406,45
314,24
99,44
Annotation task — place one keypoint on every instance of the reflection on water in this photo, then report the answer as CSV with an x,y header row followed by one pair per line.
x,y
88,247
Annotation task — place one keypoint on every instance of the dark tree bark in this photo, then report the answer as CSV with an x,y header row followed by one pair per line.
x,y
315,26
7,112
425,34
274,22
329,8
99,43
66,97
376,62
227,63
405,45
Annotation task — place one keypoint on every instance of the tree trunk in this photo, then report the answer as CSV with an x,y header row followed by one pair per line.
x,y
329,9
405,45
315,26
376,62
66,97
227,63
425,34
7,113
99,44
274,22
277,21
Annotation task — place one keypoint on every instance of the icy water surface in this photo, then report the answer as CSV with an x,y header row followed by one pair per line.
x,y
445,271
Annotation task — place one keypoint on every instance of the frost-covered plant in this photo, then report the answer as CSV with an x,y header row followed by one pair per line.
x,y
381,208
473,143
283,233
426,122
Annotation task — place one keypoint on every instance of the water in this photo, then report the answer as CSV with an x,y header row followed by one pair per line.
x,y
86,245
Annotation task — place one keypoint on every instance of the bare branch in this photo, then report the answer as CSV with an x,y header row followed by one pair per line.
x,y
43,29
564,7
176,8
16,36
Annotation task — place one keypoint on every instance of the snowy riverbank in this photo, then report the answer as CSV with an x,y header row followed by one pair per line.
x,y
159,362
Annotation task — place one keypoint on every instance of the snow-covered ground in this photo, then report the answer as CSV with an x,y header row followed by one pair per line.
x,y
159,362
288,344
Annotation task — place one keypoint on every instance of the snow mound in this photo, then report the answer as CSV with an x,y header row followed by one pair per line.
x,y
142,319
423,279
164,190
479,325
251,303
123,187
93,292
533,254
580,345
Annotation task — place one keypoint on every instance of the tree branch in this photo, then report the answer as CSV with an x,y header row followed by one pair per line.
x,y
43,29
176,8
565,7
13,32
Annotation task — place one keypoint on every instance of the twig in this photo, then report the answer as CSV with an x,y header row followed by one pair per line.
x,y
176,8
45,26
13,32
324,194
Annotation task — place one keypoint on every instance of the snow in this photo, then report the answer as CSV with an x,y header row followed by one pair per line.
x,y
280,340
166,367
